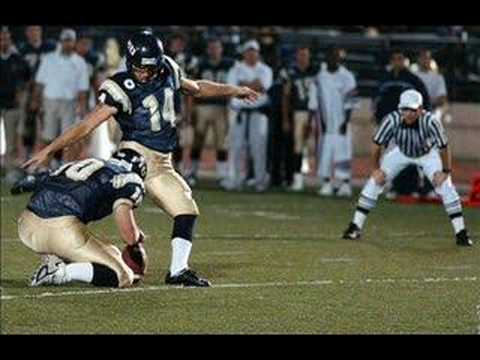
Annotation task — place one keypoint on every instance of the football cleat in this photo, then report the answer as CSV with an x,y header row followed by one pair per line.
x,y
463,239
352,233
186,277
24,185
298,183
345,190
326,190
49,274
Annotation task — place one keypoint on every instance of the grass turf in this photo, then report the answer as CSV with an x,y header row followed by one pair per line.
x,y
279,265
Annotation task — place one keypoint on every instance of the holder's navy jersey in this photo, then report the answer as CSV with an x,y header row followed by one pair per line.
x,y
89,190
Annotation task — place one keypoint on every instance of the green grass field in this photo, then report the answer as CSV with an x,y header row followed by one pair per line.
x,y
278,265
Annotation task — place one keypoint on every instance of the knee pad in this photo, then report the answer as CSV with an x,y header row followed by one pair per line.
x,y
183,226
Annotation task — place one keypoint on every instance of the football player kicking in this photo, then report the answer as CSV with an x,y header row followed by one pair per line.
x,y
141,101
65,200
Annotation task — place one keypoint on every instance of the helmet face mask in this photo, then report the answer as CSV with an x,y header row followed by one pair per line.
x,y
131,159
144,57
144,74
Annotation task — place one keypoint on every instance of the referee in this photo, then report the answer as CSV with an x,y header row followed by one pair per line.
x,y
421,141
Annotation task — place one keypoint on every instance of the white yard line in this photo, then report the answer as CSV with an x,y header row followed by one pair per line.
x,y
240,285
453,267
478,318
330,260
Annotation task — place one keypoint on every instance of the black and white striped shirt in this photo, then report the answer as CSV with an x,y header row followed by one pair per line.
x,y
413,140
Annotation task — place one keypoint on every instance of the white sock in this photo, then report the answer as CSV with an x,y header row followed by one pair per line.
x,y
359,218
458,224
79,272
180,253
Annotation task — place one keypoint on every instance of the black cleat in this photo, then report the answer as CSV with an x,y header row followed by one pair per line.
x,y
24,185
352,233
463,239
186,277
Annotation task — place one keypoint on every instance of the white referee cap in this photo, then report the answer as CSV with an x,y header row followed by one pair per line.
x,y
410,99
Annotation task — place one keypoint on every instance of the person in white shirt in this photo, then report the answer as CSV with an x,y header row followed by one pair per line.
x,y
427,71
249,128
434,82
62,83
332,95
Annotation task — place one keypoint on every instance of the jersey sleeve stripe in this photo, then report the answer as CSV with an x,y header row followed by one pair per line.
x,y
382,132
440,138
177,72
117,93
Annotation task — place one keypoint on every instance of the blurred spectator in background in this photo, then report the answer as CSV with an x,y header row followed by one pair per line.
x,y
114,62
178,51
14,74
296,118
371,32
428,72
230,37
437,90
33,51
250,127
211,112
393,83
35,48
100,145
268,39
332,96
61,88
94,59
386,100
95,63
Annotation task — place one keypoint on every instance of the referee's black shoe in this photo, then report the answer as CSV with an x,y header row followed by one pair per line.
x,y
352,233
463,239
186,277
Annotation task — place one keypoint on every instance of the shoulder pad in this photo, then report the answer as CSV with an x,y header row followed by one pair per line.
x,y
175,71
114,87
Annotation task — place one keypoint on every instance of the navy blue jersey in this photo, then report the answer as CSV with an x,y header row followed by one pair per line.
x,y
146,112
33,55
214,72
300,83
89,190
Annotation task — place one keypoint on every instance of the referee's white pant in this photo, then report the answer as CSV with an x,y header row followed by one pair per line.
x,y
249,131
394,162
